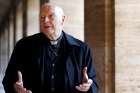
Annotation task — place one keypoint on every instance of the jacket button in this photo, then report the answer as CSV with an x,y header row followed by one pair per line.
x,y
52,76
53,65
52,89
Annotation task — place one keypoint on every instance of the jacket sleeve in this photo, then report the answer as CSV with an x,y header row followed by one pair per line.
x,y
90,69
11,72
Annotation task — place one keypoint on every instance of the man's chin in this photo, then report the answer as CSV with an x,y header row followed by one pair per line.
x,y
48,31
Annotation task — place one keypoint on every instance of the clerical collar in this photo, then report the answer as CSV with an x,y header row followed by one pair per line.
x,y
55,42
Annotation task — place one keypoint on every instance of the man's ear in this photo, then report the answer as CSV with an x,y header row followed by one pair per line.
x,y
63,19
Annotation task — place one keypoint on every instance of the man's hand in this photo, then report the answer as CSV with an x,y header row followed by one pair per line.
x,y
19,88
86,82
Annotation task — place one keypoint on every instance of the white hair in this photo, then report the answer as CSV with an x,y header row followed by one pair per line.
x,y
59,11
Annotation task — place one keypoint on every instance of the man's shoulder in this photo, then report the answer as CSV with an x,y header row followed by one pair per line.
x,y
75,41
29,39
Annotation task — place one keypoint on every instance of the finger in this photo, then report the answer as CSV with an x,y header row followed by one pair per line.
x,y
78,88
81,88
90,81
20,81
19,76
29,91
19,88
85,85
24,89
85,75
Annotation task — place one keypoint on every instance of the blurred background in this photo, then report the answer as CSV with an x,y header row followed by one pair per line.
x,y
110,27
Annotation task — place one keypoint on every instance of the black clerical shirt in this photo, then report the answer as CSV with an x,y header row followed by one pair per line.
x,y
54,67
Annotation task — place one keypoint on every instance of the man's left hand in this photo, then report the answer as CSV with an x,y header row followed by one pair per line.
x,y
86,83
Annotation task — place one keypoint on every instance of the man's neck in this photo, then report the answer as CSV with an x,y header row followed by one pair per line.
x,y
56,40
54,36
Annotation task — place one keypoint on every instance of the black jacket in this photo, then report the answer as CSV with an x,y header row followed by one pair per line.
x,y
27,57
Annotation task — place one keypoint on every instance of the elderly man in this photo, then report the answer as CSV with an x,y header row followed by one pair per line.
x,y
50,61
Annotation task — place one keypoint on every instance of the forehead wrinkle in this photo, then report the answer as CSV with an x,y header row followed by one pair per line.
x,y
47,7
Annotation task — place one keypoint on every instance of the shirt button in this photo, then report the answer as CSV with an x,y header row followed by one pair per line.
x,y
52,89
52,76
53,65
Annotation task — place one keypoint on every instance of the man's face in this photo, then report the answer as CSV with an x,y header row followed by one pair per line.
x,y
51,22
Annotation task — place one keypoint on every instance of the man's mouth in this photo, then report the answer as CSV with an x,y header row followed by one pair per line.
x,y
47,26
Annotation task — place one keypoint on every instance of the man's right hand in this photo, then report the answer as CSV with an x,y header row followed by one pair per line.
x,y
19,88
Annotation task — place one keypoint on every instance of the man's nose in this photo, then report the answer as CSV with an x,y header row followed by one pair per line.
x,y
46,19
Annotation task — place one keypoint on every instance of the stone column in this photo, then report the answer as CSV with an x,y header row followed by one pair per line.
x,y
33,17
99,34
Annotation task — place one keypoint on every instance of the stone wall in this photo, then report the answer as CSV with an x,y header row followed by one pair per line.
x,y
127,46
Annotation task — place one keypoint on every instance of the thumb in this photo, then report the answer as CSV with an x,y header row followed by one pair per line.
x,y
20,81
85,75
